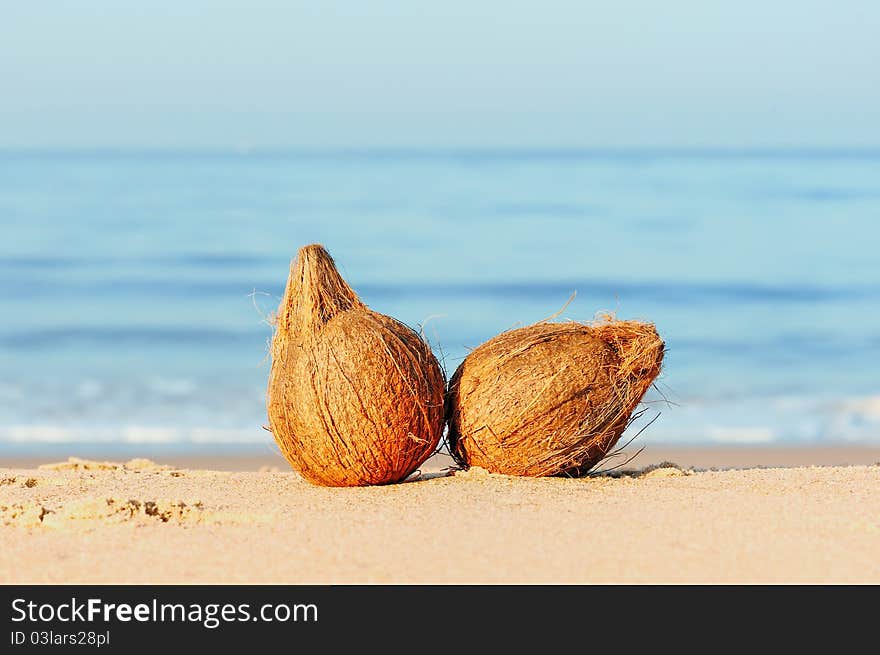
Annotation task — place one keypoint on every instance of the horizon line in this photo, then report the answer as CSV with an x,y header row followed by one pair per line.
x,y
426,151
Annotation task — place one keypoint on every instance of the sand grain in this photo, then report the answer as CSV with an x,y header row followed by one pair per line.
x,y
123,523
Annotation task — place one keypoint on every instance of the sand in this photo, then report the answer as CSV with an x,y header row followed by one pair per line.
x,y
142,522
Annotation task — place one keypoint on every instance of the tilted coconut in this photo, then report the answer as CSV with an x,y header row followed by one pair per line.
x,y
551,398
354,397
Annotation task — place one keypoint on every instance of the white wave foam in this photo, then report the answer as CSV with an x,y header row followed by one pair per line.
x,y
866,407
37,434
856,419
220,435
793,420
740,435
145,434
129,434
173,387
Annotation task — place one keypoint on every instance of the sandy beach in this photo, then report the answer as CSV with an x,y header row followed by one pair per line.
x,y
85,521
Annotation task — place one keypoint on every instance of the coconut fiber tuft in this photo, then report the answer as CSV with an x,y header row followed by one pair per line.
x,y
550,398
355,397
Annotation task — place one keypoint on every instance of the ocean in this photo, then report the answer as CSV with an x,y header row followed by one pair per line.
x,y
136,286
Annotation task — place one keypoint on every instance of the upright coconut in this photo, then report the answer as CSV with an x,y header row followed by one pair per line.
x,y
355,397
551,398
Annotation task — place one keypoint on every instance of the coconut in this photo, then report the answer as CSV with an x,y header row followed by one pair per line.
x,y
550,398
354,397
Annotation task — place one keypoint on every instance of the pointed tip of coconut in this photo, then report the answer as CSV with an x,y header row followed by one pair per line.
x,y
314,294
637,343
313,251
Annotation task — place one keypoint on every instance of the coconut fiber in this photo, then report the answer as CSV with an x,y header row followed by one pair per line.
x,y
551,398
355,397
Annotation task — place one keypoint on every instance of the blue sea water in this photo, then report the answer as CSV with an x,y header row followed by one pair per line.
x,y
135,286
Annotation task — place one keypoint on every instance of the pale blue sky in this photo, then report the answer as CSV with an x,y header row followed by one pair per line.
x,y
405,73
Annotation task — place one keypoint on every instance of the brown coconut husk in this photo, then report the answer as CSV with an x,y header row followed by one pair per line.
x,y
550,398
355,397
